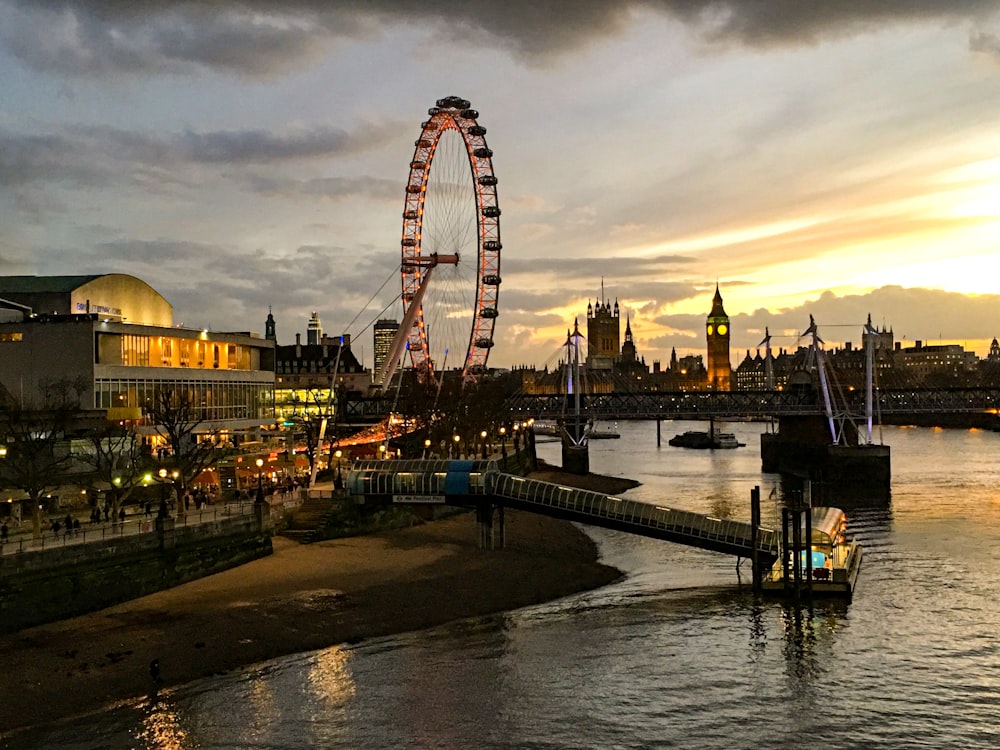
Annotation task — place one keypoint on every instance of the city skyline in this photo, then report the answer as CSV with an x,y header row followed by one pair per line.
x,y
838,160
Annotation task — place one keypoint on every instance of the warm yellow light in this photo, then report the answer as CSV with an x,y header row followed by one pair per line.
x,y
163,473
260,462
338,454
483,434
457,438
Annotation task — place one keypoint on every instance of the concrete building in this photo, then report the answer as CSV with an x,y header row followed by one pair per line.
x,y
112,335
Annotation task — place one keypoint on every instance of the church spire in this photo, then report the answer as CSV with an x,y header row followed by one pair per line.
x,y
269,326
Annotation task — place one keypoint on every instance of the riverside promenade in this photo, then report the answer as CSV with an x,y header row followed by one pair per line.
x,y
300,598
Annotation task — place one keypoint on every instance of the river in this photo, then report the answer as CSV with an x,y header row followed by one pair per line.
x,y
677,654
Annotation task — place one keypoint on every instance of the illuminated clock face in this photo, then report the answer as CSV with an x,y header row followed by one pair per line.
x,y
722,329
710,329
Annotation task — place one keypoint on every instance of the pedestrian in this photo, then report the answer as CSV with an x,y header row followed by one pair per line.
x,y
3,533
148,508
121,514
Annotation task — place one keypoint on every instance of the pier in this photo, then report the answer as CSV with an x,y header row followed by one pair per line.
x,y
481,485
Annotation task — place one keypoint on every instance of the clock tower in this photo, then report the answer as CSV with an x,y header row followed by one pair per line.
x,y
717,333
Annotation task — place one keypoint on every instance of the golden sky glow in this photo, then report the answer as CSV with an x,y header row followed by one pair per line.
x,y
839,161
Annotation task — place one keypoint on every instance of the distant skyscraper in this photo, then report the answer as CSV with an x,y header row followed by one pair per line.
x,y
385,332
315,330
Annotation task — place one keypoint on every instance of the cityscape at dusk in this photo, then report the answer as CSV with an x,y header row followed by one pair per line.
x,y
499,374
838,160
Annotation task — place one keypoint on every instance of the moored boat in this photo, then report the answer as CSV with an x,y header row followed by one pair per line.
x,y
829,564
705,440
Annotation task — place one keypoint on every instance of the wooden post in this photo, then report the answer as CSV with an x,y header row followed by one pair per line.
x,y
757,573
658,423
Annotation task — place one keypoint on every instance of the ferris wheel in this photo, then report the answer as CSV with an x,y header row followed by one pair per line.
x,y
451,231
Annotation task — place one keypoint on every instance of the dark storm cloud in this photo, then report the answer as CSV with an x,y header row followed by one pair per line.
x,y
93,156
262,38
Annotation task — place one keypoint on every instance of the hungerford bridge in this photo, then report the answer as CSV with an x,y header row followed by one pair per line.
x,y
702,405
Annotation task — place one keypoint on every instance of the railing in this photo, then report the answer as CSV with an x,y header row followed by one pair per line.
x,y
23,541
687,526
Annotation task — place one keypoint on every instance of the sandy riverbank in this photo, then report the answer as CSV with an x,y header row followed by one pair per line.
x,y
302,597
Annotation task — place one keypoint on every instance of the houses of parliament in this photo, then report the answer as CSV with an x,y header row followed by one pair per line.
x,y
612,362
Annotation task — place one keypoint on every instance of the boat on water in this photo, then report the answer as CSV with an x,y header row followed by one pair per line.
x,y
705,440
828,564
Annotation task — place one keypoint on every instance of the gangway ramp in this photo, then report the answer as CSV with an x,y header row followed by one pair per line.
x,y
478,483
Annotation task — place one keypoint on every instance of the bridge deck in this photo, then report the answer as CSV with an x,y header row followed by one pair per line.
x,y
478,482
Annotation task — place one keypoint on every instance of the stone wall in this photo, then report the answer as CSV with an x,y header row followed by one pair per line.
x,y
47,585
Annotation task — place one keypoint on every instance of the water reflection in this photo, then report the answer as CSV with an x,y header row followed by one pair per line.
x,y
161,728
330,679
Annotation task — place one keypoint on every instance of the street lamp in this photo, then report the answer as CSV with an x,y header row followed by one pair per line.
x,y
457,439
427,447
338,481
163,512
260,486
482,435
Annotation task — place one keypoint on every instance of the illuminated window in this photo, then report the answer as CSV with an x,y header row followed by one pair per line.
x,y
16,336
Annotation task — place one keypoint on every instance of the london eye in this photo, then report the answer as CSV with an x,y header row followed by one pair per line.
x,y
451,232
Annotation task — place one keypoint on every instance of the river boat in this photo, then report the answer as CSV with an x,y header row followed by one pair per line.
x,y
705,440
828,566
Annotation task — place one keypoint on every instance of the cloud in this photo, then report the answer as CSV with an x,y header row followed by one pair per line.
x,y
91,156
985,43
266,38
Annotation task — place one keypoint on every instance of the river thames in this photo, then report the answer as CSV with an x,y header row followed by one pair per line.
x,y
677,654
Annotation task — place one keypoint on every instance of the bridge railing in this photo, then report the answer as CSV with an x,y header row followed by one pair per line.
x,y
593,504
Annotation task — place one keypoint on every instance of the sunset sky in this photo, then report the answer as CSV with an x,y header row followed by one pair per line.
x,y
834,157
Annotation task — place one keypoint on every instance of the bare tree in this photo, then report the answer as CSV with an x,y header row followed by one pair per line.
x,y
309,418
37,455
118,461
178,420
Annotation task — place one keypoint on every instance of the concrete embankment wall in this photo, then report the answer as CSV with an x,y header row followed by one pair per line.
x,y
47,585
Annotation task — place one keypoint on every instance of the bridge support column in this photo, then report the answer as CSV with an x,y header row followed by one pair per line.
x,y
492,531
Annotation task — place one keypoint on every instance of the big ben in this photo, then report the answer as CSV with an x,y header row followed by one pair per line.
x,y
717,333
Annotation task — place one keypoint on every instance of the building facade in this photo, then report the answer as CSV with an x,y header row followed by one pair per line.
x,y
603,335
121,357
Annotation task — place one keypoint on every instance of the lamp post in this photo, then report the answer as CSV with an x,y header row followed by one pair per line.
x,y
482,436
260,486
338,480
457,439
163,512
427,448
